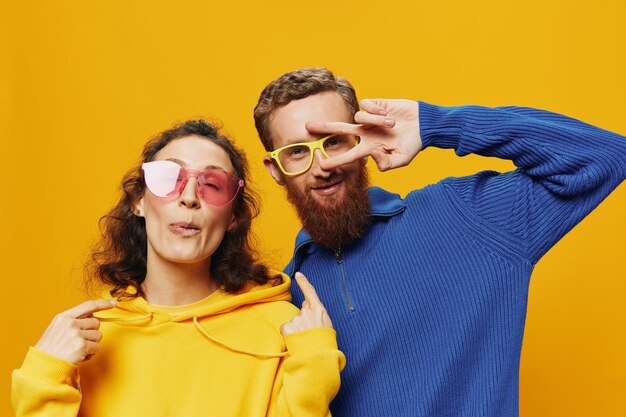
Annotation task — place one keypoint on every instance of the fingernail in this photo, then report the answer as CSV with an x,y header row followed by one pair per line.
x,y
389,122
298,274
382,113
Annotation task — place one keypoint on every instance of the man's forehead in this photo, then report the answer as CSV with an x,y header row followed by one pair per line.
x,y
288,123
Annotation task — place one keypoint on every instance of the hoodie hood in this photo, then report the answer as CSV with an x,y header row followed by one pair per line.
x,y
138,311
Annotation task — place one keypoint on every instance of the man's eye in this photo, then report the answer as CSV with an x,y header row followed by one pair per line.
x,y
297,151
335,141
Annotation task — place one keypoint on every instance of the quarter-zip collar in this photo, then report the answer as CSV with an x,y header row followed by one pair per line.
x,y
382,204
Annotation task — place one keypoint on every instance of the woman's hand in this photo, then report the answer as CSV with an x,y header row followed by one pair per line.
x,y
312,315
73,335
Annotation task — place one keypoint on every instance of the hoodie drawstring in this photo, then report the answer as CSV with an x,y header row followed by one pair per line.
x,y
222,344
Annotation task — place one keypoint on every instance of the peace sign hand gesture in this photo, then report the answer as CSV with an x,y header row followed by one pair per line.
x,y
389,131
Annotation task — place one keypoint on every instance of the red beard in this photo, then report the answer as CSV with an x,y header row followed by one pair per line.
x,y
338,221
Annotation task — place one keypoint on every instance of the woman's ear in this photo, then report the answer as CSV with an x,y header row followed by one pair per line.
x,y
233,224
138,208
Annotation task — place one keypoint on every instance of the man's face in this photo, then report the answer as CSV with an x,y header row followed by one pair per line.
x,y
332,205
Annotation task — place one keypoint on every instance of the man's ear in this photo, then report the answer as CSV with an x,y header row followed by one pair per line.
x,y
274,171
138,208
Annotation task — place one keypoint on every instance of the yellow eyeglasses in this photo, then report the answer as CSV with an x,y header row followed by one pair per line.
x,y
297,158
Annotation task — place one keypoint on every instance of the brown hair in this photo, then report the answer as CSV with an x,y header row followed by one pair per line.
x,y
296,85
119,258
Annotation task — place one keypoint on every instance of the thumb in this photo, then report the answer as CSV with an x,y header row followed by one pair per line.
x,y
382,159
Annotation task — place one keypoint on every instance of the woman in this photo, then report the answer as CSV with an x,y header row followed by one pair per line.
x,y
192,323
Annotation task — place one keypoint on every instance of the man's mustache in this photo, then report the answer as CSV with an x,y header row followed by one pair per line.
x,y
325,182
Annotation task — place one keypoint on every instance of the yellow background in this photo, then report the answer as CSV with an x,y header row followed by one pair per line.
x,y
83,84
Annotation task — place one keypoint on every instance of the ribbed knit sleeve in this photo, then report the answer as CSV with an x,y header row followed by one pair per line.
x,y
45,386
565,168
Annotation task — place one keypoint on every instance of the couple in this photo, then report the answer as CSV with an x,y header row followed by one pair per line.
x,y
428,293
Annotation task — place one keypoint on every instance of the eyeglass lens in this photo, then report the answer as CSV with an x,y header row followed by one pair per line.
x,y
297,157
168,179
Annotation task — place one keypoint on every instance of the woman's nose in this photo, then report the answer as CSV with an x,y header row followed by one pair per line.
x,y
189,194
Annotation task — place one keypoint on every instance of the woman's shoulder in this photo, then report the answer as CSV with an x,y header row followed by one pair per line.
x,y
271,298
276,312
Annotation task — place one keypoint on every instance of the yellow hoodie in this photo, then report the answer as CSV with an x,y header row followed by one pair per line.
x,y
221,356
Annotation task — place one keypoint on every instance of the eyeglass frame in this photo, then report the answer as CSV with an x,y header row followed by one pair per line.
x,y
313,145
192,173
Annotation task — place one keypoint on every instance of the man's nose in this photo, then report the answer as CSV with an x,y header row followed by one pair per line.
x,y
189,194
316,169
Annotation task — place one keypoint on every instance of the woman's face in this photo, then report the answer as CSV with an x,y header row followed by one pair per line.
x,y
185,229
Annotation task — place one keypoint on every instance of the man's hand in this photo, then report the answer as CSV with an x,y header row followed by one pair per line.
x,y
312,315
389,131
73,335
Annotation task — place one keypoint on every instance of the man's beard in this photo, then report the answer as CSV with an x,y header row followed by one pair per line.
x,y
337,222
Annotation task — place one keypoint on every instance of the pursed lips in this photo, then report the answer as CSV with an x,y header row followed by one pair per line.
x,y
184,228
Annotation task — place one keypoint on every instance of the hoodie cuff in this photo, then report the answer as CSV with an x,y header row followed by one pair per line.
x,y
47,367
319,338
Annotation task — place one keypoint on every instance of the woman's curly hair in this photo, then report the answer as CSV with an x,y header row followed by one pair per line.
x,y
119,258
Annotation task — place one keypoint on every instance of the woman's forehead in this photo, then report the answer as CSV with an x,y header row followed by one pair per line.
x,y
195,152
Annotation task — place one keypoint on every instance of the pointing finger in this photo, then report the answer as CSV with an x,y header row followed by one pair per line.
x,y
310,295
89,307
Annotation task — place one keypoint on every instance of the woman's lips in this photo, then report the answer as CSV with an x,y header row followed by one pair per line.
x,y
184,229
328,189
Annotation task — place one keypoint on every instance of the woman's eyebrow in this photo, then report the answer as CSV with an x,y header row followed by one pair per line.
x,y
178,161
184,165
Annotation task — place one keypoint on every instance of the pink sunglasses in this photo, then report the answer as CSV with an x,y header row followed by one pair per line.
x,y
167,179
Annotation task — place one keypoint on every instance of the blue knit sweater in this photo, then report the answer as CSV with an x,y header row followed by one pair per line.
x,y
429,305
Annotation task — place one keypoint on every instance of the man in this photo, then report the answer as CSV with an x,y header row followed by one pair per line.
x,y
428,293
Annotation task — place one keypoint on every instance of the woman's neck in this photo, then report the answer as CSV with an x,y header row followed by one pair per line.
x,y
172,284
